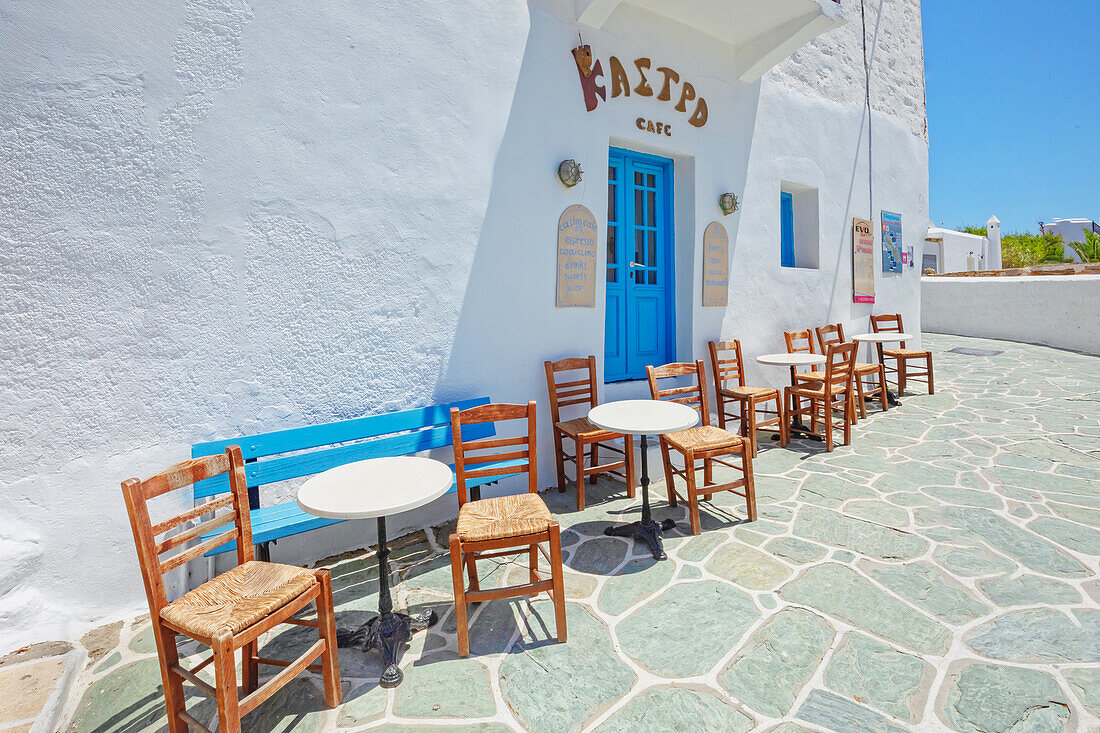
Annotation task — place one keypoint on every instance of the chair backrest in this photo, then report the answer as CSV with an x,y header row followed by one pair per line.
x,y
888,323
470,453
726,364
840,366
799,341
572,390
298,452
232,508
693,395
828,335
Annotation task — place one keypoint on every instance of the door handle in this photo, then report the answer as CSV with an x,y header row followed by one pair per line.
x,y
635,264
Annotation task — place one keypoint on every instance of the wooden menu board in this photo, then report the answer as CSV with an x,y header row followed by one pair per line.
x,y
716,265
577,239
863,261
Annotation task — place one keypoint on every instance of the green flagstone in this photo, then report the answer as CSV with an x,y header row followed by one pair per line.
x,y
1022,512
363,705
689,572
1035,552
688,628
946,432
925,587
1042,481
1028,590
911,498
879,512
910,476
773,489
636,580
1039,635
1085,682
841,714
747,567
143,643
555,688
873,540
444,686
1068,534
769,672
831,492
1076,502
796,550
697,548
471,728
840,591
987,697
788,728
599,556
843,556
747,535
1048,451
111,660
971,561
878,675
677,709
966,497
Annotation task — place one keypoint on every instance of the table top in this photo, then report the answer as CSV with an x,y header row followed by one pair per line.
x,y
376,487
643,417
799,359
885,337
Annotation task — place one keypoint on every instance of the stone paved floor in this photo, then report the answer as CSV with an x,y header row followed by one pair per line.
x,y
940,574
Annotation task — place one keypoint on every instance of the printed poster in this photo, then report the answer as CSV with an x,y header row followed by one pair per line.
x,y
892,258
863,261
576,284
716,265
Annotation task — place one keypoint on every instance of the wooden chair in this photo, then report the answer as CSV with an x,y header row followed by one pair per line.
x,y
505,525
586,437
704,443
729,389
232,610
902,356
834,334
834,393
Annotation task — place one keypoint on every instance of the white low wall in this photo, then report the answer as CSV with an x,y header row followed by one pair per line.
x,y
1053,310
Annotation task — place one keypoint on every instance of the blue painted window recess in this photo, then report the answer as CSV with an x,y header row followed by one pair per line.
x,y
786,226
639,323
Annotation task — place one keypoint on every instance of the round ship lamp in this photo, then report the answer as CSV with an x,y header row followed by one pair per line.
x,y
728,203
569,171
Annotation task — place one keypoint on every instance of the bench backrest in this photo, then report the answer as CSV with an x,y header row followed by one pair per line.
x,y
316,448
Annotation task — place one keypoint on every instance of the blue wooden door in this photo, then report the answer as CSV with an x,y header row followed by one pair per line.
x,y
639,327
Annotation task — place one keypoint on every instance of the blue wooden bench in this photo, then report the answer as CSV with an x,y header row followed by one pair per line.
x,y
300,452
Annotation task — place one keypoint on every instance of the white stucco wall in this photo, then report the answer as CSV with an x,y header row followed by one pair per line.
x,y
1071,230
1053,310
954,249
220,218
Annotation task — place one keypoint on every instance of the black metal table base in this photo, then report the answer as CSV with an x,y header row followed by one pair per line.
x,y
389,631
645,530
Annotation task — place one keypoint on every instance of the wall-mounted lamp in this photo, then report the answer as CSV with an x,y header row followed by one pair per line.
x,y
570,173
728,203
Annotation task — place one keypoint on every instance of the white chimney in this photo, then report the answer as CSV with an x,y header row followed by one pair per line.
x,y
993,234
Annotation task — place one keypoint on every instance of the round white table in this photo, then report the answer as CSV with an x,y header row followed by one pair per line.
x,y
883,337
644,418
802,358
375,488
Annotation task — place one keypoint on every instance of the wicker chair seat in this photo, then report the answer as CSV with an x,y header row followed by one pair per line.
x,y
237,598
502,517
905,352
811,376
862,368
754,393
818,391
582,427
703,437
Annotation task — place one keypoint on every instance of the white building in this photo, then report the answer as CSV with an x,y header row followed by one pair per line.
x,y
228,217
946,250
1071,230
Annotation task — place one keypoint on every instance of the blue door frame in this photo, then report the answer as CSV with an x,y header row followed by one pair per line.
x,y
640,318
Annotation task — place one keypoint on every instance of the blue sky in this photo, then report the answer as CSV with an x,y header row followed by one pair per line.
x,y
1013,110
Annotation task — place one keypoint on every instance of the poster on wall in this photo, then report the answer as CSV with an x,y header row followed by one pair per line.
x,y
891,242
716,265
576,285
863,261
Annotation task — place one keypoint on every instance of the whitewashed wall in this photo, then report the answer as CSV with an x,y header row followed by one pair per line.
x,y
218,217
1053,310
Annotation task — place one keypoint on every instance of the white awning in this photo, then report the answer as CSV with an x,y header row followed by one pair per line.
x,y
763,32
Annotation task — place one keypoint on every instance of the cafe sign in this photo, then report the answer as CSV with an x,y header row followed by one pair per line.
x,y
641,79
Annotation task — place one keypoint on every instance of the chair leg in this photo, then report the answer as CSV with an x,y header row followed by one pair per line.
x,y
558,581
784,424
173,685
862,407
848,425
882,387
750,486
581,475
708,477
460,597
901,376
326,626
827,406
225,684
931,381
668,474
628,443
471,570
533,561
751,406
721,411
559,461
692,499
250,669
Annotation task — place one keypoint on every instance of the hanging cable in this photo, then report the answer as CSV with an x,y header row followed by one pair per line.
x,y
867,98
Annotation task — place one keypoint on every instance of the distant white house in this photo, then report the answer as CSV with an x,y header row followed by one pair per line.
x,y
1072,230
946,250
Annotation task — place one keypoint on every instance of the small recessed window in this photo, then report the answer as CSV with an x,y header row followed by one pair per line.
x,y
798,226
